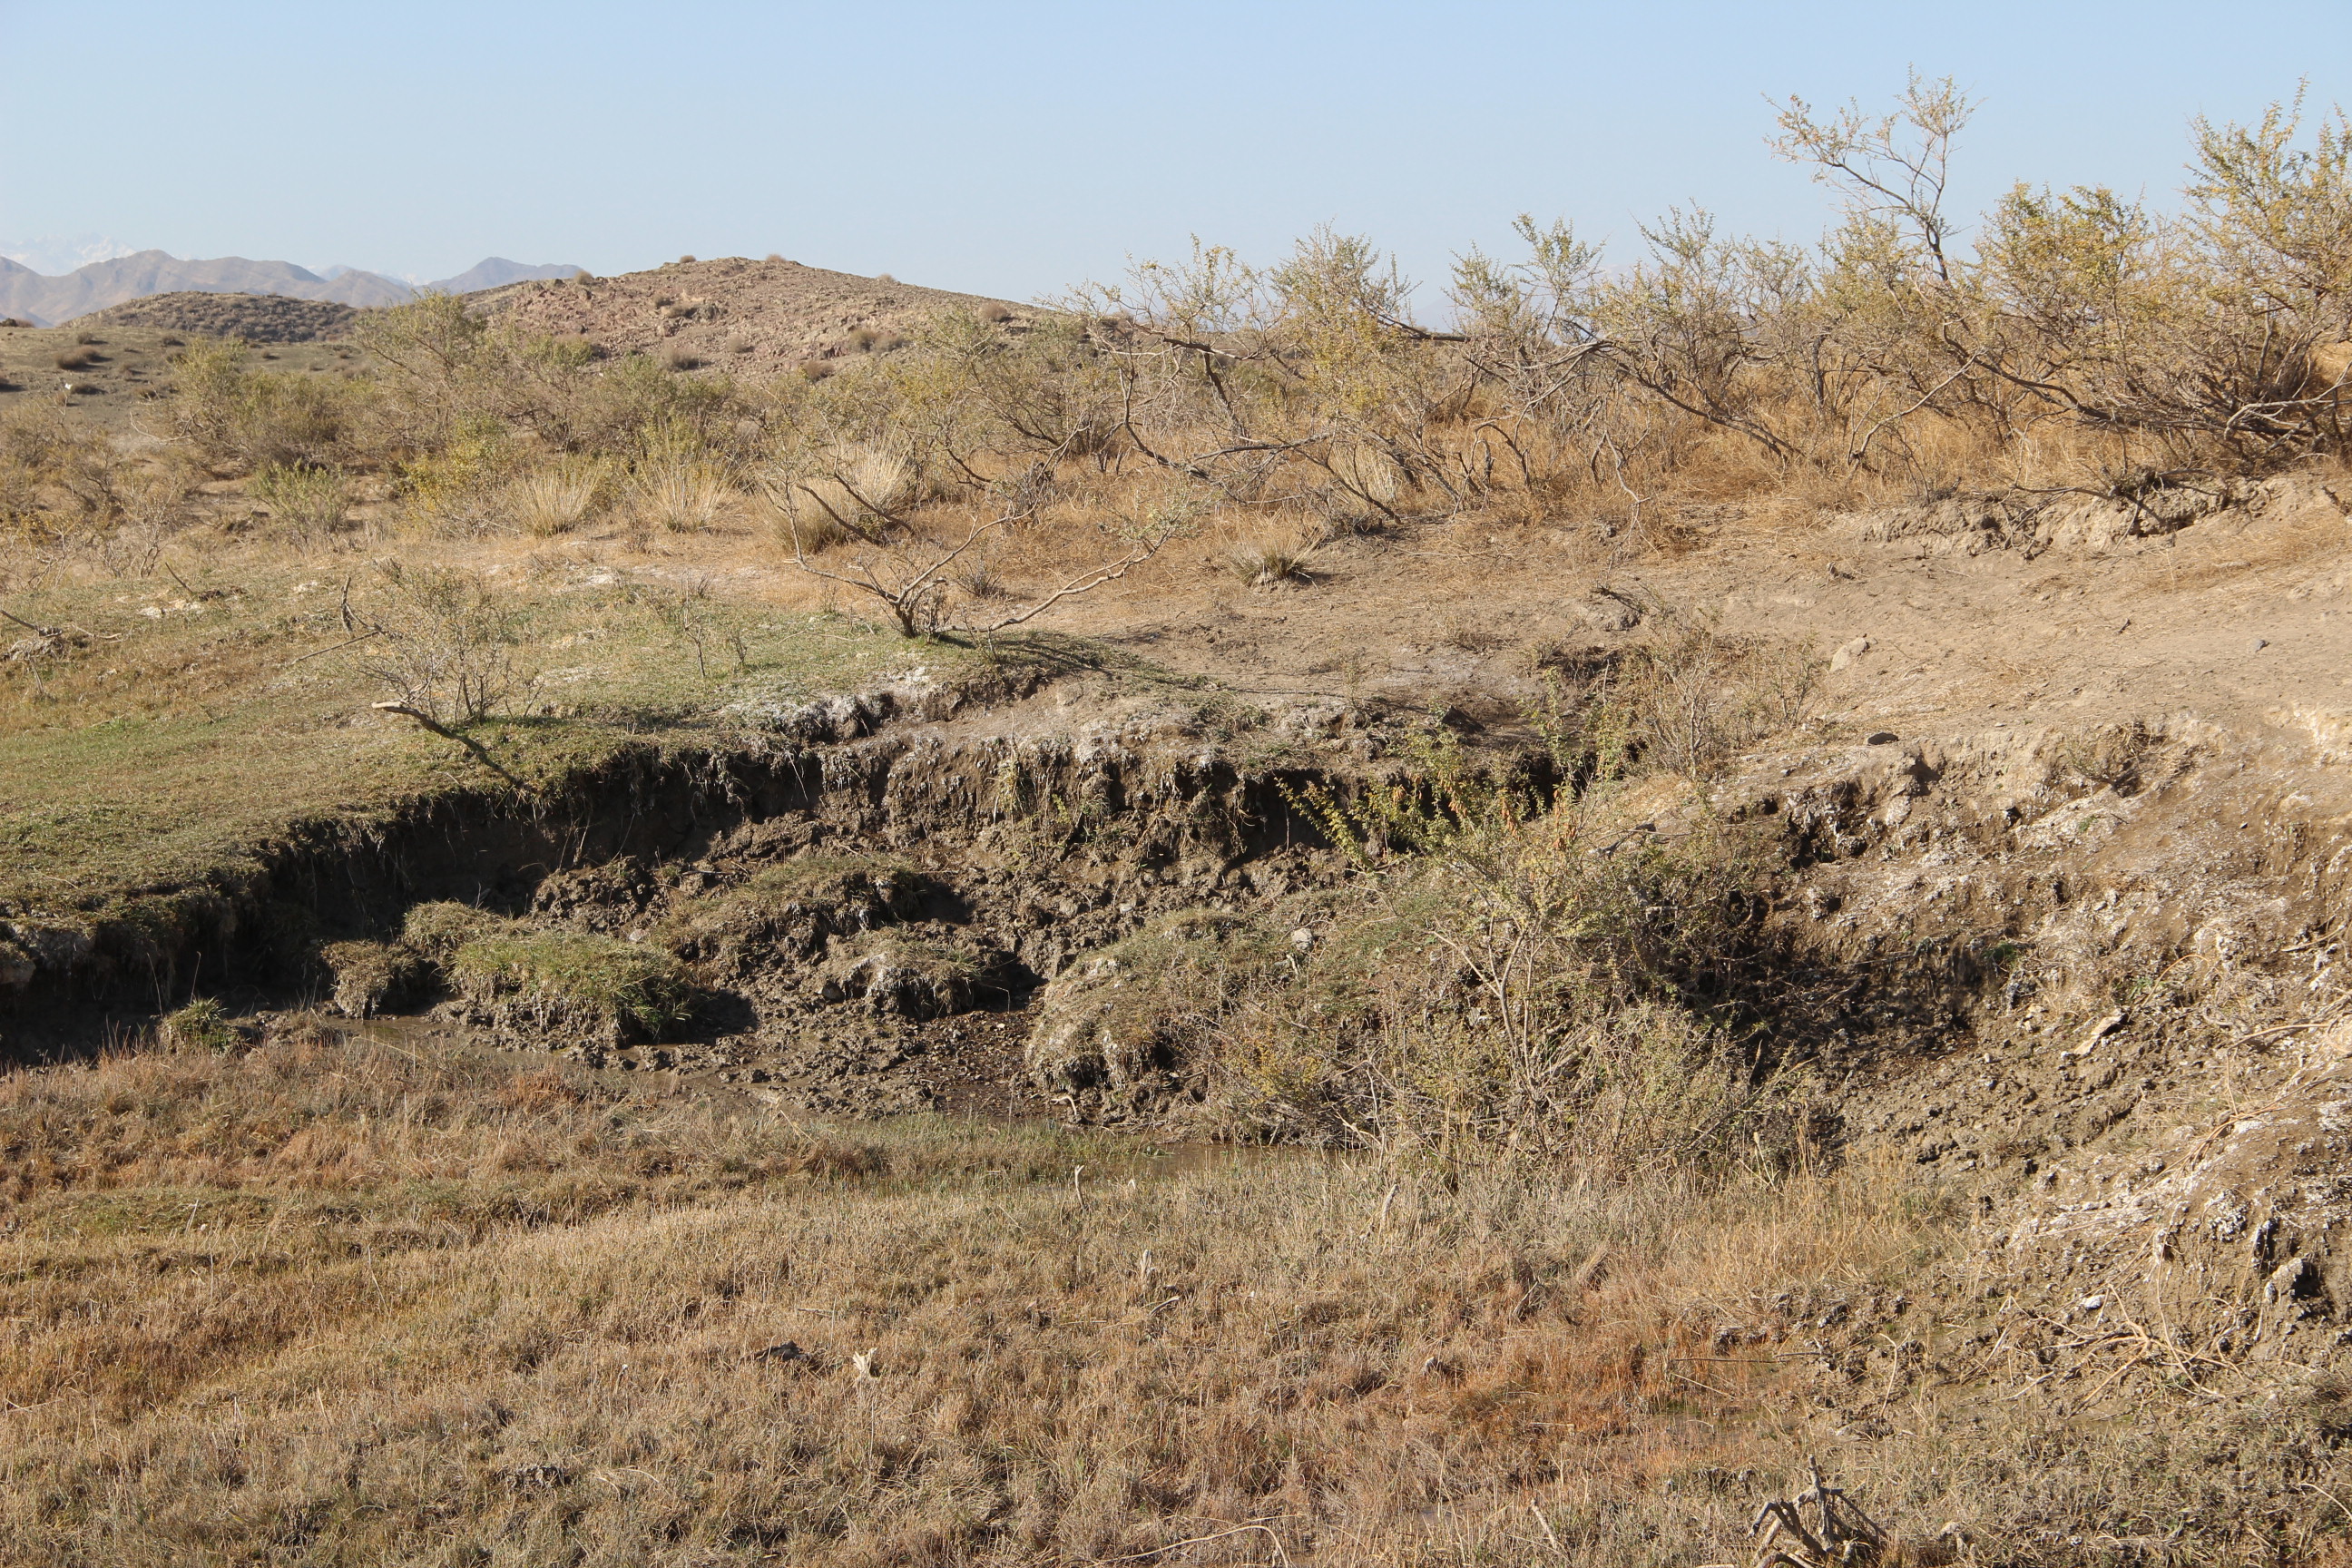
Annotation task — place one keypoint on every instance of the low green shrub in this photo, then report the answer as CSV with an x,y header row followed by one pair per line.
x,y
304,501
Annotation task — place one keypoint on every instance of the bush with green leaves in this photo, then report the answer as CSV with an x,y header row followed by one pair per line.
x,y
237,418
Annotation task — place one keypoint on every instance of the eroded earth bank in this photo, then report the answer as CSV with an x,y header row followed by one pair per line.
x,y
1993,866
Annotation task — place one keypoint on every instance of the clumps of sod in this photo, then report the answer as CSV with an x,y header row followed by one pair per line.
x,y
370,977
436,930
914,978
791,910
202,1025
528,985
1123,1029
569,987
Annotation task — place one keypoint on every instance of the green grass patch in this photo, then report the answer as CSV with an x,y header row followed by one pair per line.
x,y
573,983
200,721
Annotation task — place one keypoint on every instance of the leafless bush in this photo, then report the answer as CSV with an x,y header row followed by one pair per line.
x,y
58,480
909,572
1685,699
439,639
980,581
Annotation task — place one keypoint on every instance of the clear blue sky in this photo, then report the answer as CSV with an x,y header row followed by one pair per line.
x,y
1019,148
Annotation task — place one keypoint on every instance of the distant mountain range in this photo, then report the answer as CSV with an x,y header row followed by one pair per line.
x,y
45,300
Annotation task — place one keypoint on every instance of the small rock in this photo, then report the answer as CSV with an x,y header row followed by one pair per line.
x,y
1849,652
2259,644
1302,939
2091,1303
536,1477
1607,610
1884,737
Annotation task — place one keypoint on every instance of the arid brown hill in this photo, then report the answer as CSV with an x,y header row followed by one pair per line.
x,y
758,317
255,318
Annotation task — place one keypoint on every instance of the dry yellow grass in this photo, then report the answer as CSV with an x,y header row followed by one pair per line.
x,y
343,1302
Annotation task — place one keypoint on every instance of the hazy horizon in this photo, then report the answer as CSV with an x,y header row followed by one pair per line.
x,y
51,256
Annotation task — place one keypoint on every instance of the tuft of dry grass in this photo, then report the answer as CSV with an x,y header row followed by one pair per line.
x,y
1272,560
680,498
850,490
548,502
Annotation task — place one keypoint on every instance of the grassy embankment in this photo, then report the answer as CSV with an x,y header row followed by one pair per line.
x,y
168,746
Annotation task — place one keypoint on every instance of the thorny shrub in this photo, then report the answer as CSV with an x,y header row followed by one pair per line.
x,y
2081,336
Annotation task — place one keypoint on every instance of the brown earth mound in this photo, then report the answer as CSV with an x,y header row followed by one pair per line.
x,y
755,317
255,318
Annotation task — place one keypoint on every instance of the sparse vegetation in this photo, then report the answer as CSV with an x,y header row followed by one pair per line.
x,y
1532,1233
340,1207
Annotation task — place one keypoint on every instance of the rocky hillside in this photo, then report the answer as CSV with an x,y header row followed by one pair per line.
x,y
43,299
